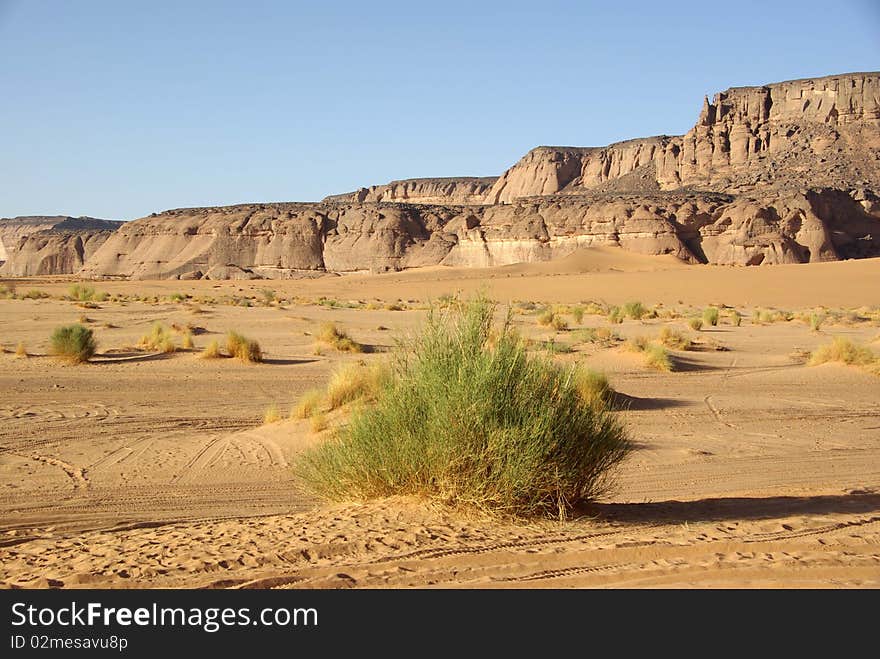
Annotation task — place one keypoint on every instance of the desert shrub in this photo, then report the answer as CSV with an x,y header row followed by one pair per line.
x,y
159,338
816,320
637,344
21,350
615,316
710,316
555,347
334,337
272,415
657,358
844,351
472,425
559,323
735,318
595,309
546,317
268,296
655,355
82,293
35,294
243,348
74,343
356,382
634,310
593,387
578,314
188,341
674,339
394,306
695,324
308,405
212,350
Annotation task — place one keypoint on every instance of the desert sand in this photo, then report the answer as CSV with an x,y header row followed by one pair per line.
x,y
752,468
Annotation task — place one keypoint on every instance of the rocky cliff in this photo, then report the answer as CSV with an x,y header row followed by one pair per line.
x,y
292,240
458,190
811,132
50,245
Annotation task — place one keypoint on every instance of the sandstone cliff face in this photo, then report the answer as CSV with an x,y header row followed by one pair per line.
x,y
817,132
460,190
294,240
50,245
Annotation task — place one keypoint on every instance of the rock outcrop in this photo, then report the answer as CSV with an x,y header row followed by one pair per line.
x,y
459,190
50,245
814,132
293,240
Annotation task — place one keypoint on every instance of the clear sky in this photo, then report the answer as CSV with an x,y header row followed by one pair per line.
x,y
117,109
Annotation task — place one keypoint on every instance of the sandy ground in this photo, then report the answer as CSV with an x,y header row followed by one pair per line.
x,y
150,470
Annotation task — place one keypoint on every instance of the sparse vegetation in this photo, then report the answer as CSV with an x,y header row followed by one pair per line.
x,y
243,348
846,352
308,405
21,350
338,339
674,339
319,422
657,358
655,355
578,314
816,320
615,316
695,324
82,293
272,415
159,338
735,318
472,424
357,381
593,387
634,310
710,316
75,343
188,341
212,350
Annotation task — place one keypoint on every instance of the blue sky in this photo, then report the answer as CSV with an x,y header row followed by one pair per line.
x,y
119,109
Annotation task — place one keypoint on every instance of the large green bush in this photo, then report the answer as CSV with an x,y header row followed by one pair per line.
x,y
470,418
73,342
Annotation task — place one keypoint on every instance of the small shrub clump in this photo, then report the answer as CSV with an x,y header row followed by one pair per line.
x,y
159,338
846,352
472,423
710,316
634,310
695,324
243,348
338,339
75,343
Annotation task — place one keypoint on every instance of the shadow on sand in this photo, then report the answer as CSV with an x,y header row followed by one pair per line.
x,y
733,508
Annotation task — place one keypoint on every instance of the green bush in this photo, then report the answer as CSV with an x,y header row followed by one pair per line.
x,y
710,316
472,422
74,343
634,310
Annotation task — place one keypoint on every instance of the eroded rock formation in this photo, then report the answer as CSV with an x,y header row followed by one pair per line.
x,y
293,240
50,245
780,173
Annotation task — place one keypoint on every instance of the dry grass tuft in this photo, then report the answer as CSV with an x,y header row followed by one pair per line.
x,y
243,348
